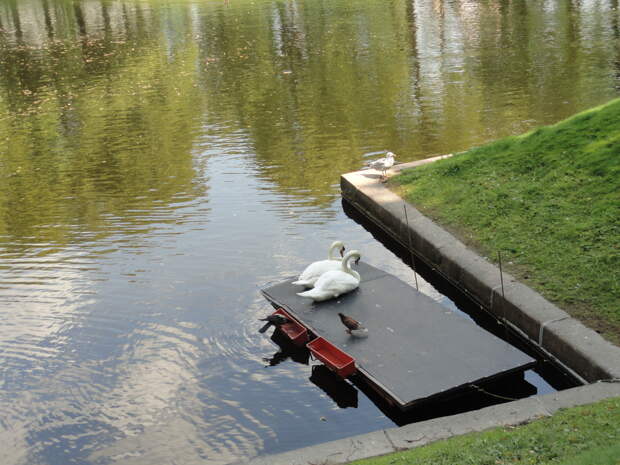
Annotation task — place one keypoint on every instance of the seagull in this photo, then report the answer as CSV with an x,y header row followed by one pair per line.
x,y
383,164
274,319
354,327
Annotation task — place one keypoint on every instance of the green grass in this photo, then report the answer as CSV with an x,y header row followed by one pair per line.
x,y
587,435
609,455
549,200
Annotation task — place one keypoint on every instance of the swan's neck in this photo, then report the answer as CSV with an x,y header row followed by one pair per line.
x,y
330,255
346,267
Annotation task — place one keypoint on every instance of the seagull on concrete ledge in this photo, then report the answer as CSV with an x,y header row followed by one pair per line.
x,y
354,327
383,164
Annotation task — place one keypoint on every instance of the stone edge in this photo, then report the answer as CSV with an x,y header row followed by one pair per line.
x,y
418,434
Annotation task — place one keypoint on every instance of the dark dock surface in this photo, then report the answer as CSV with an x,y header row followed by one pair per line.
x,y
416,348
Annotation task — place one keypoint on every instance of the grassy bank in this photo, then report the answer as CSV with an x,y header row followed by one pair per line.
x,y
549,200
588,435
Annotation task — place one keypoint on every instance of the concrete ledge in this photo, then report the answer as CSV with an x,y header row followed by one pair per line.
x,y
509,414
526,309
580,349
571,340
581,395
340,451
418,434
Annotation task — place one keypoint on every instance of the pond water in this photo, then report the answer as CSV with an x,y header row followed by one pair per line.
x,y
162,160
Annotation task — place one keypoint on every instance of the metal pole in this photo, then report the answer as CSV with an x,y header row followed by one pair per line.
x,y
501,274
415,275
501,279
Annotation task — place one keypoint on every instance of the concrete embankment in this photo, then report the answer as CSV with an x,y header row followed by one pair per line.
x,y
576,347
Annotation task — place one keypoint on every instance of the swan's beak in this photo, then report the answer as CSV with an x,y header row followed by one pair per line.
x,y
342,251
357,260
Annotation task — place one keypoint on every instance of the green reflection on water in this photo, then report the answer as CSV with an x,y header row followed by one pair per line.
x,y
104,105
95,127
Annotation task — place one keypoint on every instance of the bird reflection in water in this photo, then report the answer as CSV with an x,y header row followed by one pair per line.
x,y
339,390
286,350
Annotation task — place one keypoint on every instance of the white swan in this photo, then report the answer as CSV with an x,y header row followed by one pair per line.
x,y
314,270
336,282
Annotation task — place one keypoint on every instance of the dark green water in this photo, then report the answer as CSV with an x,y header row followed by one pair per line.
x,y
162,160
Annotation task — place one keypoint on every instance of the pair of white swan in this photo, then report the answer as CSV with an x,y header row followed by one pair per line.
x,y
309,276
330,278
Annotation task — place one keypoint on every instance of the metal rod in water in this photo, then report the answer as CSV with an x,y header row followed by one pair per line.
x,y
415,275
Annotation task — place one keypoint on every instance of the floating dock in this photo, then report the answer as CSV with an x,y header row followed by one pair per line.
x,y
416,350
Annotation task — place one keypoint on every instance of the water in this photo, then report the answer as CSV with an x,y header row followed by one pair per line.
x,y
161,160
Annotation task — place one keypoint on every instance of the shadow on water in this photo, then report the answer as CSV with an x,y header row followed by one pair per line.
x,y
511,387
287,350
341,392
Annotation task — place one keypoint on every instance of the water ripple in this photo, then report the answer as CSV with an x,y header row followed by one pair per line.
x,y
161,161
